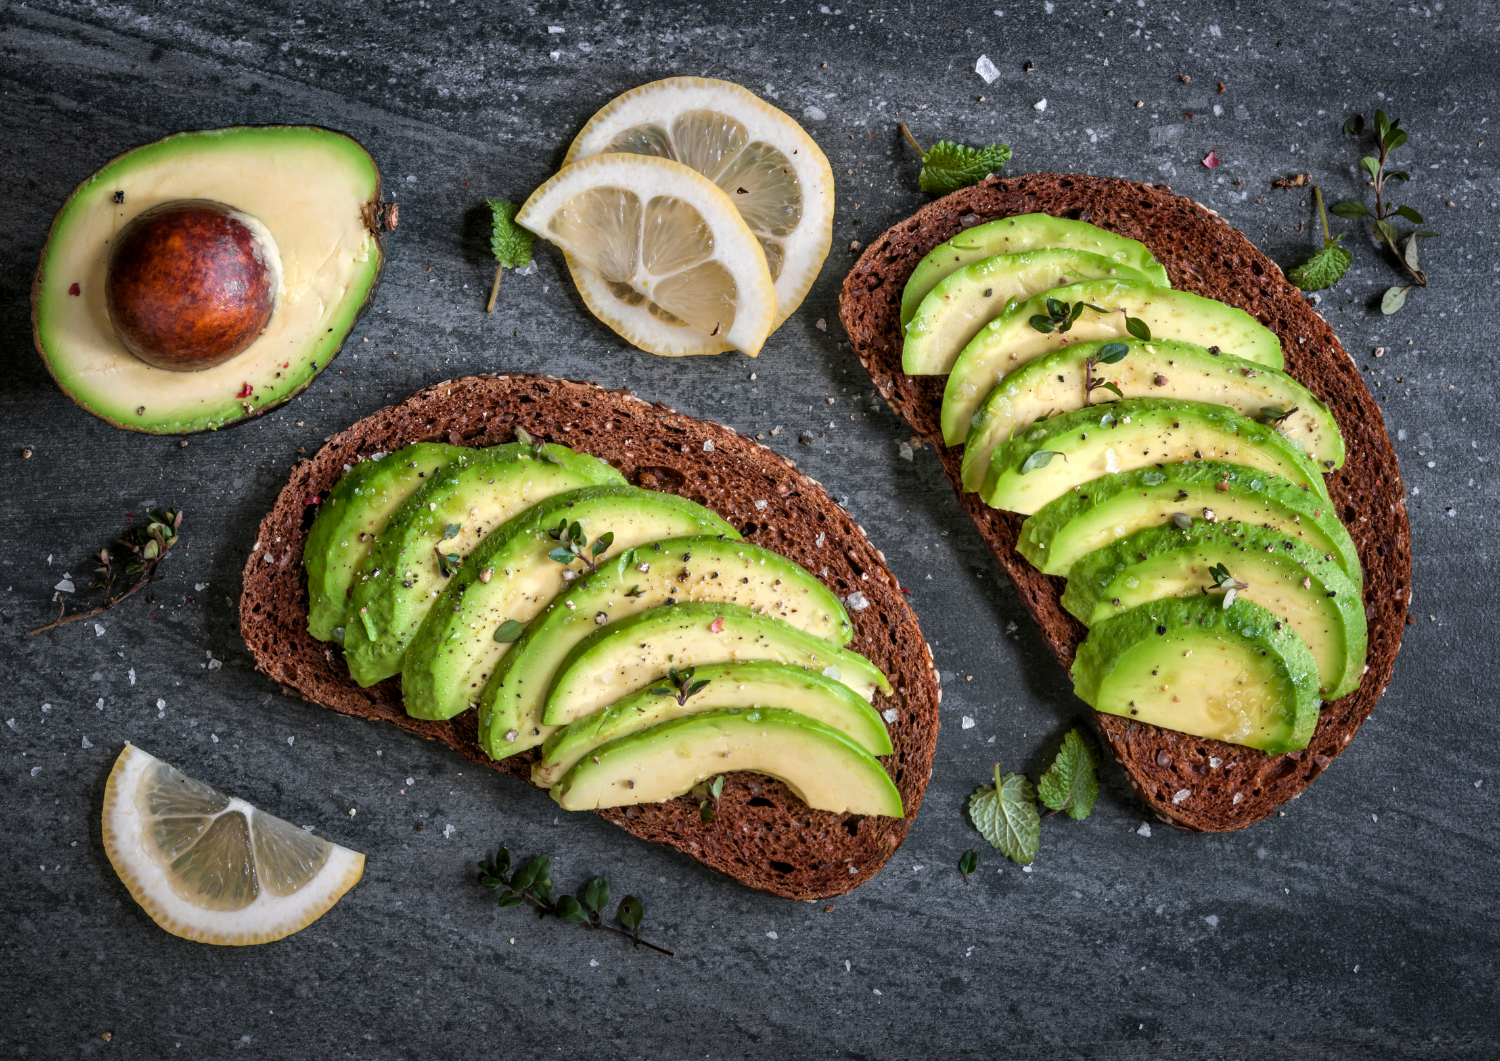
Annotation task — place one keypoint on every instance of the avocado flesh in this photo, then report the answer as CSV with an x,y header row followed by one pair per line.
x,y
1111,507
353,514
1290,580
823,768
696,569
626,656
1010,340
1158,369
1135,433
1192,665
968,299
401,579
1014,235
309,187
736,685
455,651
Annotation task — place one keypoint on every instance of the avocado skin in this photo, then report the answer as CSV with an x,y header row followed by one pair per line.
x,y
766,726
1200,480
1207,619
1094,577
1146,415
385,614
344,511
427,679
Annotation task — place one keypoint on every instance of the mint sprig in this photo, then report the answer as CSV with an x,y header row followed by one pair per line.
x,y
1006,815
1071,783
1326,267
947,167
509,243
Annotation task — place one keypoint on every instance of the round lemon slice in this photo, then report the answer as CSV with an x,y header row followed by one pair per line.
x,y
664,240
210,867
773,172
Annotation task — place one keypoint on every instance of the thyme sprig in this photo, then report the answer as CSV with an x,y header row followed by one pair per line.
x,y
1226,583
575,544
141,551
707,793
1388,137
1109,354
532,884
1060,317
682,686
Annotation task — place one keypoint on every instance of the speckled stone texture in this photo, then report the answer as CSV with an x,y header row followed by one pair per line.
x,y
1360,925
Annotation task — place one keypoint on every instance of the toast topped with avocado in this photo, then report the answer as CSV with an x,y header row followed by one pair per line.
x,y
1176,464
618,604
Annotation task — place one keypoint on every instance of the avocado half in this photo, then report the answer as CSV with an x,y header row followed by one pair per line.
x,y
317,191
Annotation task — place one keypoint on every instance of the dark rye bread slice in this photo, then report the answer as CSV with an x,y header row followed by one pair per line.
x,y
763,836
1196,784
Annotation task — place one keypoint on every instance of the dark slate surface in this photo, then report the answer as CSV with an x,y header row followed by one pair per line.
x,y
1360,924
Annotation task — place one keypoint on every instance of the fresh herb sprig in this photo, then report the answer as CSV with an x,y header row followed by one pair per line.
x,y
532,884
968,862
947,167
448,562
1109,354
141,551
1061,316
1225,583
1275,415
575,544
539,450
1388,137
1005,813
1326,267
681,686
707,793
509,243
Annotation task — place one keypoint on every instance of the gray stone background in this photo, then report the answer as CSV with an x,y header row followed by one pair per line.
x,y
1361,924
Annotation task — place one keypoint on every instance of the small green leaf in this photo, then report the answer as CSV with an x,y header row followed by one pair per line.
x,y
1005,814
1071,783
570,909
523,877
1395,139
523,436
563,555
1371,166
663,690
509,631
603,542
511,899
1113,353
502,862
596,895
1410,214
706,811
450,530
1107,385
693,690
1078,308
1042,324
1393,299
1386,231
630,914
1398,175
1323,269
968,862
575,533
717,788
509,242
1138,328
1355,125
947,167
1382,124
1057,309
1040,459
1351,208
635,591
1182,521
1411,253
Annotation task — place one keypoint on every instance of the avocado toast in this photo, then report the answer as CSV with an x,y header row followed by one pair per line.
x,y
1196,783
762,835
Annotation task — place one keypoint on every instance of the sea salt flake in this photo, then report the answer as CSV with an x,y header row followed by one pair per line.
x,y
890,714
771,935
86,743
986,69
833,672
555,29
161,705
98,630
290,741
1213,920
65,586
449,830
35,770
817,114
708,445
1180,795
214,737
1144,830
593,963
132,675
12,724
1039,105
760,504
857,601
967,723
905,451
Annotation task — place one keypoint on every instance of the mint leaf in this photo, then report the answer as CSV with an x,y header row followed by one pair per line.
x,y
509,242
1393,299
1323,269
1071,783
1005,814
947,167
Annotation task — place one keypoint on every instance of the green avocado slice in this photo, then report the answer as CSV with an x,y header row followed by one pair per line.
x,y
404,574
1235,674
646,577
1293,581
318,194
760,683
1163,368
1023,232
1110,507
1061,454
1011,340
353,514
968,299
510,576
823,768
630,654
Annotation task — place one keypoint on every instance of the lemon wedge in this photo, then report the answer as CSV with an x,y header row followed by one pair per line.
x,y
775,174
210,867
664,241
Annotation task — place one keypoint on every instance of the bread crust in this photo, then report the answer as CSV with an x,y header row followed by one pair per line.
x,y
1196,784
762,835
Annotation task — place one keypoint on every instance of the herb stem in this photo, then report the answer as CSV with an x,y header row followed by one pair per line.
x,y
106,606
912,140
495,288
1318,195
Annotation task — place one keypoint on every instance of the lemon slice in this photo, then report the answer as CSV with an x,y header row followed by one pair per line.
x,y
773,172
210,867
665,241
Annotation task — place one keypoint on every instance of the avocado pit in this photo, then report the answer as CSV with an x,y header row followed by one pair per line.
x,y
191,283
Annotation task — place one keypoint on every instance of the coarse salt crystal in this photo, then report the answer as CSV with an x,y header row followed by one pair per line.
x,y
1213,920
967,723
821,325
86,743
65,586
890,714
817,114
1039,105
760,504
449,830
857,601
771,935
986,69
1180,795
708,445
98,630
1144,830
905,451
